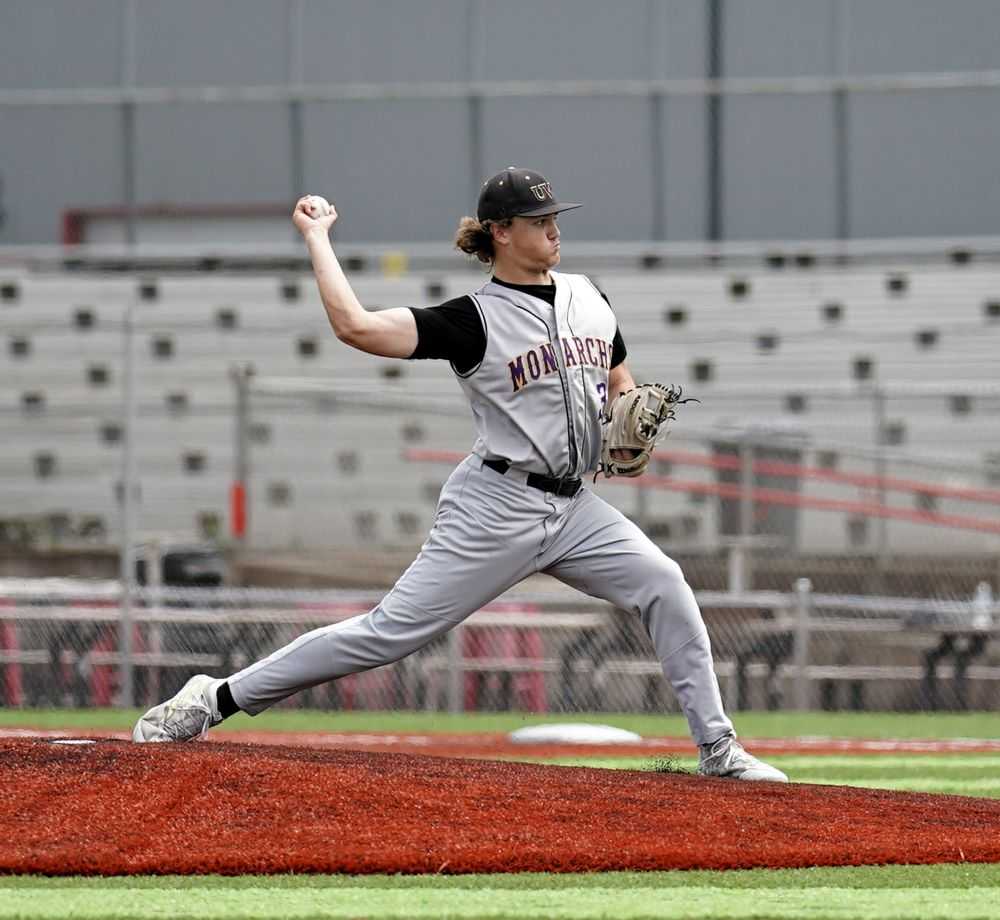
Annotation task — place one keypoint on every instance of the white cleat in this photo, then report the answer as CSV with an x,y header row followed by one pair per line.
x,y
187,716
726,758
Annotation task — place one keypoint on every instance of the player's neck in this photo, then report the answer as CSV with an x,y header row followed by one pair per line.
x,y
516,275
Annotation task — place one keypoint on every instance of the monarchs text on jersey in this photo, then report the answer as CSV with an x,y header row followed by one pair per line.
x,y
542,361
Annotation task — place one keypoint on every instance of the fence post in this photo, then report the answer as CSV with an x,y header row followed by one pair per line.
x,y
982,606
882,523
154,584
455,674
126,555
803,610
748,450
242,376
736,567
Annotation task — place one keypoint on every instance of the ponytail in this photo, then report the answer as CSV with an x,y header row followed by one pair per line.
x,y
475,239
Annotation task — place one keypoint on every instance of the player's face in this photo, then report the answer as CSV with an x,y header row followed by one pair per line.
x,y
534,242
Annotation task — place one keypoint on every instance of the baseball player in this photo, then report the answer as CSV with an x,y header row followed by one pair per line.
x,y
540,357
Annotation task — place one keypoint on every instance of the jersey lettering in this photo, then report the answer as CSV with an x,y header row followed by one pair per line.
x,y
549,358
541,360
517,377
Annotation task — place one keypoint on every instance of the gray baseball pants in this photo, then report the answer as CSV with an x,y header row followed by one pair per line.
x,y
491,531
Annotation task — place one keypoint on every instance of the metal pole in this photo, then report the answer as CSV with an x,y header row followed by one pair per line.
x,y
713,191
128,170
154,585
241,375
126,554
296,145
655,24
736,569
455,700
476,165
128,79
882,541
746,513
296,123
800,652
474,45
658,166
841,122
841,130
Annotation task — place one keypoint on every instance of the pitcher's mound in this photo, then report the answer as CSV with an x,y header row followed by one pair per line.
x,y
117,808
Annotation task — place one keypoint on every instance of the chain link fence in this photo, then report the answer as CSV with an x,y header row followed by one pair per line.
x,y
62,643
817,452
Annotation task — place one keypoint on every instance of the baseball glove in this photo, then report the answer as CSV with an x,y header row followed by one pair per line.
x,y
634,424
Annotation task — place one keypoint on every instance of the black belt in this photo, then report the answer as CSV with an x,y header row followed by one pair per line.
x,y
565,487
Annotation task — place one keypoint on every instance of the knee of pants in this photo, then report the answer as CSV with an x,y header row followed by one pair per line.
x,y
661,576
670,572
664,589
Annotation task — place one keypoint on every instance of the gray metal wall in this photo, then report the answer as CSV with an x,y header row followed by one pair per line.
x,y
918,163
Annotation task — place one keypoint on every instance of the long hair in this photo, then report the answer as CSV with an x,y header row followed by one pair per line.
x,y
475,239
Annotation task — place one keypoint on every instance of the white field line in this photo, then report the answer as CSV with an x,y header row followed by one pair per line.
x,y
988,760
928,784
792,746
28,733
879,745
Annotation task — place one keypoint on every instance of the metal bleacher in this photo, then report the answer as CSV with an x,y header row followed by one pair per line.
x,y
774,349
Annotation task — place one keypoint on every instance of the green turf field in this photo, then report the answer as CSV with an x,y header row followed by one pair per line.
x,y
748,724
950,774
917,892
910,892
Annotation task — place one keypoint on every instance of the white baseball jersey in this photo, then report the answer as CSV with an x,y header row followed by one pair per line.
x,y
538,392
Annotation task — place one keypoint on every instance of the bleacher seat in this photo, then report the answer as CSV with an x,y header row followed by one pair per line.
x,y
797,345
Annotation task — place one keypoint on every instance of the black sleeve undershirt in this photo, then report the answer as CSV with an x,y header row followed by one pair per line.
x,y
454,331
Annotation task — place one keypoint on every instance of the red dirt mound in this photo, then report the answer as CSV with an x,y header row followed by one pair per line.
x,y
114,808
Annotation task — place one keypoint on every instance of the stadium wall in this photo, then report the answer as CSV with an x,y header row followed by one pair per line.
x,y
816,164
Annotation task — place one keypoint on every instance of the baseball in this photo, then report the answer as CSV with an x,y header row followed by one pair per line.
x,y
318,206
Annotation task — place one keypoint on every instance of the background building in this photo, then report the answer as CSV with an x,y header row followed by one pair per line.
x,y
836,118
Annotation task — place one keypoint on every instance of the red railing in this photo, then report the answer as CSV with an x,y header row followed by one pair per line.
x,y
795,499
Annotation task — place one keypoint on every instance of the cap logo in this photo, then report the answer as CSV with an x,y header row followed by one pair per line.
x,y
542,191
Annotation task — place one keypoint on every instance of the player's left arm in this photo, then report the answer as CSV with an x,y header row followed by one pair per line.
x,y
619,376
619,380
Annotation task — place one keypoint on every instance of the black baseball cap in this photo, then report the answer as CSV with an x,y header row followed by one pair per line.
x,y
517,192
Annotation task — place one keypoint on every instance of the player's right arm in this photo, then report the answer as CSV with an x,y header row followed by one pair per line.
x,y
390,333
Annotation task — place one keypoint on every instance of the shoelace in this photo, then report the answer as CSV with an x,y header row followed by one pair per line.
x,y
725,754
184,722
